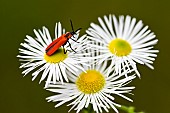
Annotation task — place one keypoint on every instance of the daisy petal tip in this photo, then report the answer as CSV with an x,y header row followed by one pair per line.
x,y
92,24
40,82
34,29
48,100
45,87
99,19
44,28
139,77
33,79
27,36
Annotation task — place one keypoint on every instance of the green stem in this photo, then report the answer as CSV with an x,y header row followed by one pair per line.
x,y
88,110
130,109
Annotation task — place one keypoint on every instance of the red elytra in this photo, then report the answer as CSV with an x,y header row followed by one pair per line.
x,y
61,41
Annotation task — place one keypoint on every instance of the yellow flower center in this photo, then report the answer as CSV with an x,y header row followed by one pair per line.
x,y
56,57
120,47
90,82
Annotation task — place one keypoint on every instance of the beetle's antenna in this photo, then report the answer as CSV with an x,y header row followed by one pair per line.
x,y
72,26
74,32
78,29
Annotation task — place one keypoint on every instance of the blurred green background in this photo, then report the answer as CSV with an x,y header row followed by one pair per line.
x,y
19,17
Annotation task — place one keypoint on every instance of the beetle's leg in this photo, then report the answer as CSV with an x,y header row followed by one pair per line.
x,y
71,47
74,40
65,51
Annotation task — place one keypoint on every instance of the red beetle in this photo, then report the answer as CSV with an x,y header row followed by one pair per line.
x,y
61,41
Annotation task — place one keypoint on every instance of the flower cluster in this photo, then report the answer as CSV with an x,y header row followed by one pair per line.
x,y
93,68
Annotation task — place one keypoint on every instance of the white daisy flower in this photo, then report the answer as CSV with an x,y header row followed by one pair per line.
x,y
124,41
34,58
97,87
